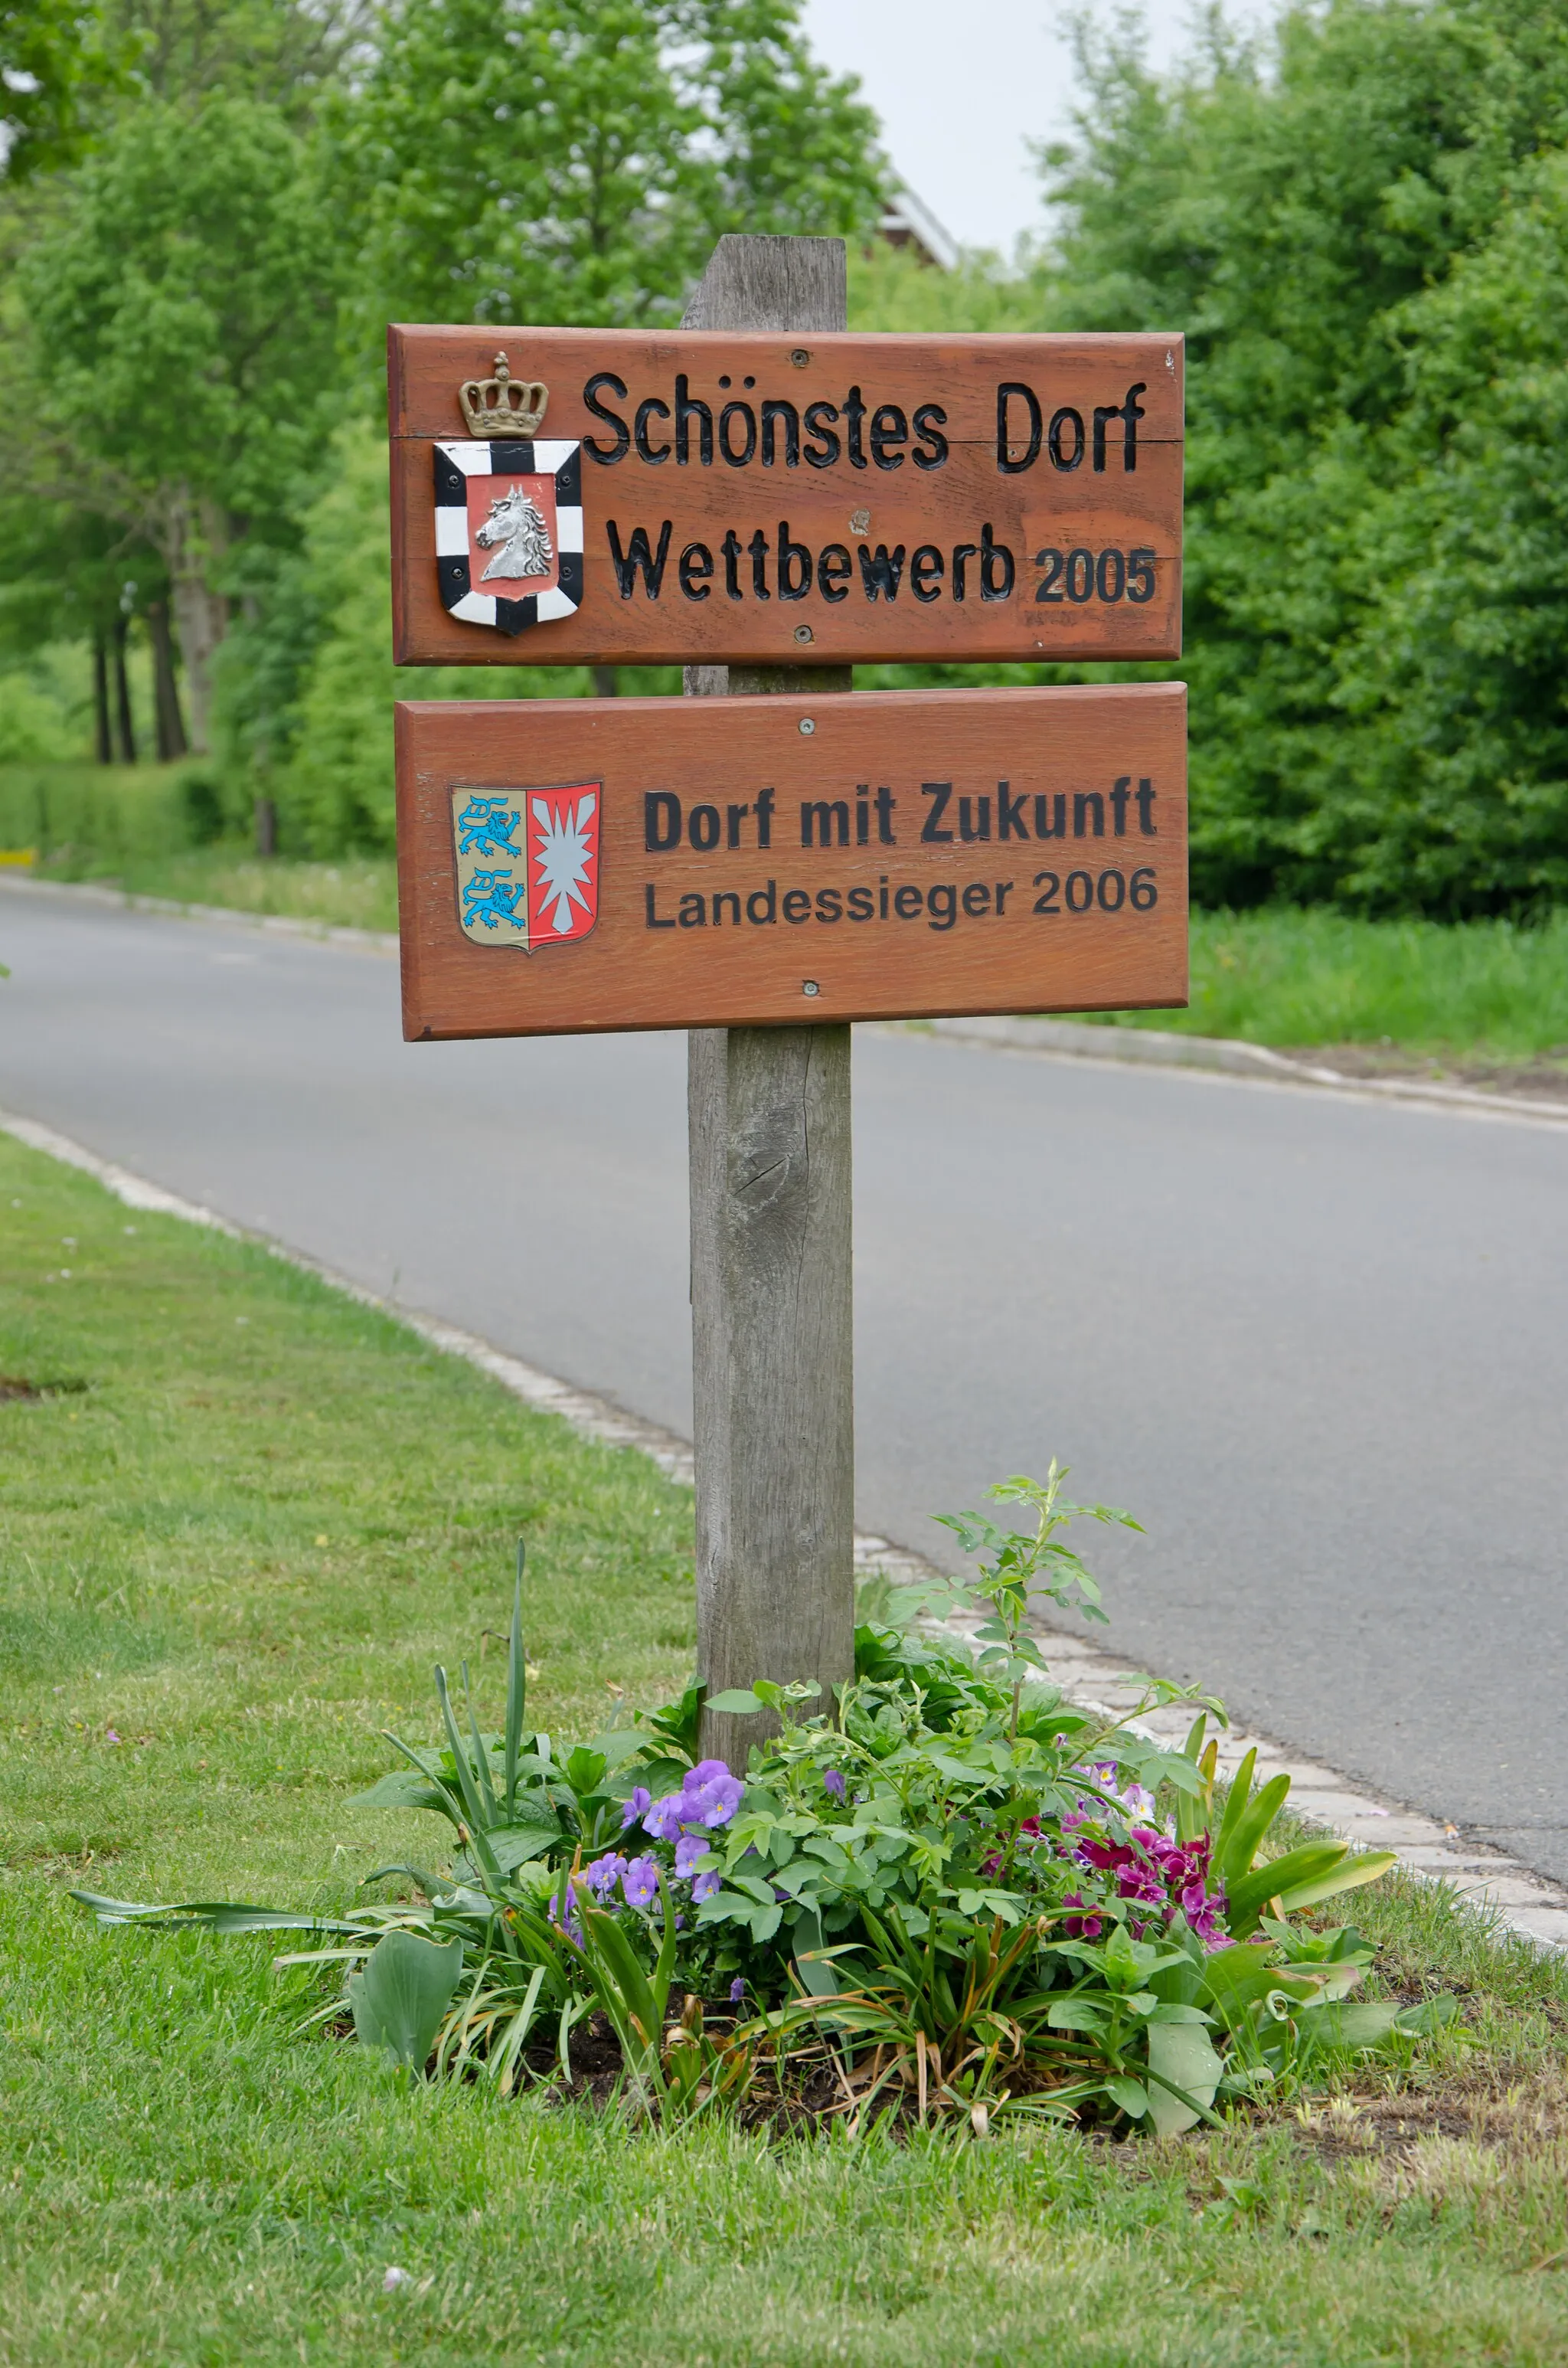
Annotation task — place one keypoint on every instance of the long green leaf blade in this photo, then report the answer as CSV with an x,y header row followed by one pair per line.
x,y
517,1688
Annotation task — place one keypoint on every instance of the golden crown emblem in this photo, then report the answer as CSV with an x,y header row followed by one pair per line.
x,y
502,404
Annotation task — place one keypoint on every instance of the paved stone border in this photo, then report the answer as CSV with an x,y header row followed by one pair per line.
x,y
1500,1886
1163,1048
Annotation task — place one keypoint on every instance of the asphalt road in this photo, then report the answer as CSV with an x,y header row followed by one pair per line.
x,y
1318,1345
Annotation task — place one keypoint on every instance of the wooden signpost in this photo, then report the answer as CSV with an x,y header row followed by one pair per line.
x,y
766,499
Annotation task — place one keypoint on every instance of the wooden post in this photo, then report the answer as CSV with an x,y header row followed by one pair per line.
x,y
771,1309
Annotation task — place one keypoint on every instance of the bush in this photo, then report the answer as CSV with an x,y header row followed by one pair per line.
x,y
92,820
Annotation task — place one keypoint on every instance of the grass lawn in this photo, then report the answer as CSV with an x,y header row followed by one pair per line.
x,y
234,1537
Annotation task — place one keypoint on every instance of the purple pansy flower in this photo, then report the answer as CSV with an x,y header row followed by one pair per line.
x,y
639,1881
604,1873
641,1801
737,1990
832,1782
703,1886
688,1850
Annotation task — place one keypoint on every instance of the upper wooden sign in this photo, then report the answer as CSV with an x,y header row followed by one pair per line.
x,y
576,864
561,495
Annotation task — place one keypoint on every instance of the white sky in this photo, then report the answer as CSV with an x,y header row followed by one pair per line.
x,y
960,87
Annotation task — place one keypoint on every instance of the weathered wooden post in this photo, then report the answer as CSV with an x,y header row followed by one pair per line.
x,y
768,1109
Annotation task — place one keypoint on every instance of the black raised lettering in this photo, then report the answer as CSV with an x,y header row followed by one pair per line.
x,y
689,408
1055,445
1011,391
927,570
889,429
1146,809
626,563
930,420
696,567
977,898
765,819
996,570
941,792
652,920
623,445
862,815
854,418
835,568
962,550
822,451
655,454
694,911
1119,805
733,817
742,411
981,828
730,548
726,896
1051,824
907,902
702,828
885,803
861,907
830,905
768,899
1010,822
1088,807
794,565
1003,889
758,547
880,570
1130,410
942,904
797,906
774,417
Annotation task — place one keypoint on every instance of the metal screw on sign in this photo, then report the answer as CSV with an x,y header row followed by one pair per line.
x,y
804,633
810,987
801,357
807,726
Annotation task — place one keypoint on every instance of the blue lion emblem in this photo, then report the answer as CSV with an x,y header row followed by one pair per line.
x,y
485,826
493,896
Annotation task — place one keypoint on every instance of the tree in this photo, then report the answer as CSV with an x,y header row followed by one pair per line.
x,y
574,160
56,70
1352,228
182,306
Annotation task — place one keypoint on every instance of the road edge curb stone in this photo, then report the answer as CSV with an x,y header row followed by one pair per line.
x,y
1521,1901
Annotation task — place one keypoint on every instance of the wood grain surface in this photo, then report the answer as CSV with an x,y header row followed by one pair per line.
x,y
905,458
987,851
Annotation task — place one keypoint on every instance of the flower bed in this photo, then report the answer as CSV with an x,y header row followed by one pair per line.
x,y
957,1895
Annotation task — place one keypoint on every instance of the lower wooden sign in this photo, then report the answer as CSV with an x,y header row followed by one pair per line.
x,y
572,864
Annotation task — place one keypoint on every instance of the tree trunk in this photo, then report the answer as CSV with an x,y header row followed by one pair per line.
x,y
125,730
195,540
607,681
103,747
169,722
771,1309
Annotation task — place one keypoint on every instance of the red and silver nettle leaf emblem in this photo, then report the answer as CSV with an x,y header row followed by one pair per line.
x,y
527,864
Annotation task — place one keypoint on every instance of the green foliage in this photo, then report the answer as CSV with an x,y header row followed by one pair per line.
x,y
57,67
401,1995
94,818
942,1884
576,162
1361,230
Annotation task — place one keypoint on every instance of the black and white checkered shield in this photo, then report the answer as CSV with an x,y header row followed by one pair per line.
x,y
509,512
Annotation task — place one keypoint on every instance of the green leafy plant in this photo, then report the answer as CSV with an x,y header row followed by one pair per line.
x,y
953,1892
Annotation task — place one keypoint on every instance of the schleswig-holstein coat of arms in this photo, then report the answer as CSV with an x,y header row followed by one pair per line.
x,y
508,510
527,864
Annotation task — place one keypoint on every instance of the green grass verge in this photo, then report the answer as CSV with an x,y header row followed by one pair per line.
x,y
1476,990
234,1537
